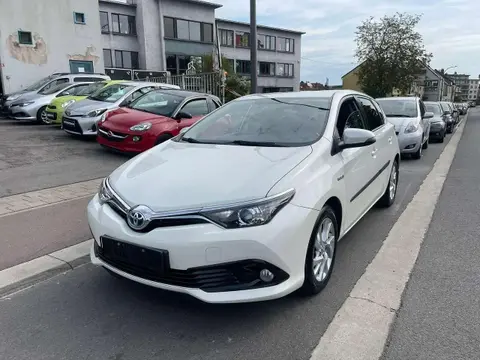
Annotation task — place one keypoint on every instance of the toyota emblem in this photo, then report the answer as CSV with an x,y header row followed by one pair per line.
x,y
110,133
139,217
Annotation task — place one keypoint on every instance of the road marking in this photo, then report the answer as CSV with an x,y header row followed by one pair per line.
x,y
20,276
46,197
360,329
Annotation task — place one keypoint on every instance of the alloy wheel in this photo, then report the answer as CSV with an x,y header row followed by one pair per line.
x,y
324,249
44,117
392,186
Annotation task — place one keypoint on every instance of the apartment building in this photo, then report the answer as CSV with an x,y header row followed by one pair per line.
x,y
473,89
462,81
121,36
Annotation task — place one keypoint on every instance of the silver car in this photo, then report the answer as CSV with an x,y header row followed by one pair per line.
x,y
411,121
82,117
32,106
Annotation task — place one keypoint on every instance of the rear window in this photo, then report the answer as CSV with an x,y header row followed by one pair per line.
x,y
112,93
434,108
393,107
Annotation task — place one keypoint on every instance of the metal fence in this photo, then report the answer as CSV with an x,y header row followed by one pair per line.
x,y
210,83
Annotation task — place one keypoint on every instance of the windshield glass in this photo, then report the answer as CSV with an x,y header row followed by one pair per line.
x,y
91,88
446,106
159,103
263,122
434,108
40,83
111,93
398,107
54,89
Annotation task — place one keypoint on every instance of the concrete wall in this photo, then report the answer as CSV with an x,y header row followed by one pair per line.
x,y
52,26
267,55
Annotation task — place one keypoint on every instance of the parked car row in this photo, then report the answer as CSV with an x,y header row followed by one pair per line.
x,y
462,107
417,122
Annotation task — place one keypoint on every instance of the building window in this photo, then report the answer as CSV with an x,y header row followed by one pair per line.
x,y
286,45
187,30
266,42
124,24
104,23
285,70
242,39
107,58
266,69
25,38
243,67
434,83
79,18
230,64
126,59
226,37
172,64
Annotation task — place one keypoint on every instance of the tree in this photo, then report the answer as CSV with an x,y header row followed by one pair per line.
x,y
391,52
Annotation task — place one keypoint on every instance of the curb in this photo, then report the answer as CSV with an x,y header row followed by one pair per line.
x,y
24,275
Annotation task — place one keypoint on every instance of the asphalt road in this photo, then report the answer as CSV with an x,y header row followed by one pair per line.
x,y
34,157
87,314
440,316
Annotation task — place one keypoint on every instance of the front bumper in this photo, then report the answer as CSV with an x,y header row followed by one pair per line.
x,y
80,125
24,112
281,244
125,142
437,131
409,143
55,115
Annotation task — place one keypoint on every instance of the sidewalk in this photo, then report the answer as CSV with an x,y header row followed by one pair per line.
x,y
440,313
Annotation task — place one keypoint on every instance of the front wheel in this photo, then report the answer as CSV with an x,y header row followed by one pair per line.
x,y
321,253
390,193
425,144
418,154
42,115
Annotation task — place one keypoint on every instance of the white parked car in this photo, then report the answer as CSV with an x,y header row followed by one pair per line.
x,y
248,204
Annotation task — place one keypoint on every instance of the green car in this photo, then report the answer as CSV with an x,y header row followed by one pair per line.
x,y
58,105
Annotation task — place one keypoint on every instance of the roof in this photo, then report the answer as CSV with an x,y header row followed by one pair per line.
x,y
184,93
204,3
398,98
303,94
129,3
355,68
260,26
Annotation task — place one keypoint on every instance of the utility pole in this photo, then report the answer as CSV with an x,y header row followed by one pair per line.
x,y
253,46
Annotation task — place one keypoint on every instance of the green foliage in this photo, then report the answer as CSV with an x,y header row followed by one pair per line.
x,y
391,52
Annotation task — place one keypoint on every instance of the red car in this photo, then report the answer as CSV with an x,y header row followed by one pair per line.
x,y
152,119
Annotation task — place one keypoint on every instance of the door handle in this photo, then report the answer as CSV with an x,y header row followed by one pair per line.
x,y
390,139
374,152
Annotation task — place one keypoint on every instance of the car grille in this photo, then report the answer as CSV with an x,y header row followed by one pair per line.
x,y
75,128
111,135
51,107
234,276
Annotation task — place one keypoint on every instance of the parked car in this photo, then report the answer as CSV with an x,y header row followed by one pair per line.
x,y
450,115
153,118
438,126
45,84
411,121
33,106
82,117
248,204
57,106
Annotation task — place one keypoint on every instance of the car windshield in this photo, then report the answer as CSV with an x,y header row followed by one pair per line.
x,y
54,89
434,108
446,107
398,107
157,102
40,83
111,93
263,122
92,88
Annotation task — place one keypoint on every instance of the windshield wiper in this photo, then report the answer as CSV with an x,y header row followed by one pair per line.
x,y
397,115
308,105
191,140
253,143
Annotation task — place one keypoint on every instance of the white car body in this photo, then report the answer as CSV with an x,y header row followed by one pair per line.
x,y
177,179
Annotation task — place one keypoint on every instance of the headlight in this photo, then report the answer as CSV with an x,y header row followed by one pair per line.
x,y
411,127
253,214
68,103
13,97
141,127
96,113
26,103
104,194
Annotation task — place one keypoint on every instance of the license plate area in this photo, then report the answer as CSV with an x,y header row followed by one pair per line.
x,y
51,115
135,259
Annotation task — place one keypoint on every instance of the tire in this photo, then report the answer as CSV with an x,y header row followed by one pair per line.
x,y
390,193
449,129
442,138
162,138
425,144
418,154
41,114
314,283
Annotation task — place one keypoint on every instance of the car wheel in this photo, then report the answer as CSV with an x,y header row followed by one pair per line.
x,y
388,197
442,137
42,115
449,129
418,154
162,138
425,144
321,253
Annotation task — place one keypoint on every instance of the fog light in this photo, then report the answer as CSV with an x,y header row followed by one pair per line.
x,y
266,275
136,138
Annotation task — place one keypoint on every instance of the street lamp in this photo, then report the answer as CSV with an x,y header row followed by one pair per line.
x,y
253,46
443,75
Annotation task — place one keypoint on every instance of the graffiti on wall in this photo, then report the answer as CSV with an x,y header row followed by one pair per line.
x,y
35,54
88,56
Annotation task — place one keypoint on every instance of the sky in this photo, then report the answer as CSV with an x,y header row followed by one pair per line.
x,y
450,29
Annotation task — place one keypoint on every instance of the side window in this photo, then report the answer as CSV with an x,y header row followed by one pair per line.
x,y
55,83
349,117
146,89
212,104
72,91
374,118
422,109
87,79
196,107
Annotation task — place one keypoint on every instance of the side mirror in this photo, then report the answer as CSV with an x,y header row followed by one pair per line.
x,y
355,138
428,115
183,115
184,130
66,93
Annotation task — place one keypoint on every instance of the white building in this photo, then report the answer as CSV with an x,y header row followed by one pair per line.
x,y
473,89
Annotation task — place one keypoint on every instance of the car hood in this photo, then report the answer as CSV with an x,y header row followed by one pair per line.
x,y
83,107
124,118
20,92
436,119
63,99
400,122
177,175
29,96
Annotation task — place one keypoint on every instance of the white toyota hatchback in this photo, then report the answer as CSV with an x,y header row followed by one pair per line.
x,y
248,204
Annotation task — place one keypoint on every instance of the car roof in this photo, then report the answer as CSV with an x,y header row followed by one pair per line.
x,y
398,98
184,93
325,94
